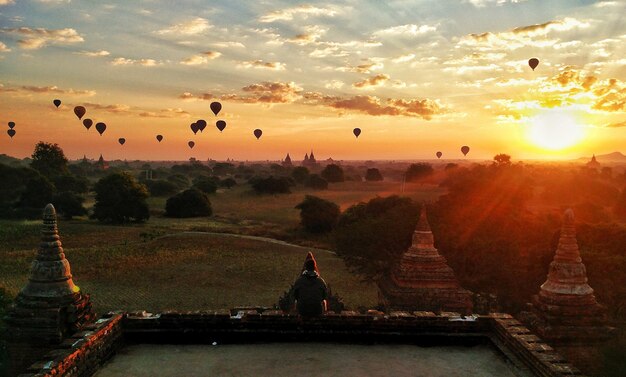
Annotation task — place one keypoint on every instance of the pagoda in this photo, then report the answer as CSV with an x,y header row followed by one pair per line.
x,y
287,161
422,279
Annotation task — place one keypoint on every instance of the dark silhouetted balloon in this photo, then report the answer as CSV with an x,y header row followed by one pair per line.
x,y
465,150
11,125
11,132
121,140
439,154
220,124
79,111
194,128
258,133
356,132
101,127
216,107
191,144
533,63
87,123
201,124
57,102
159,138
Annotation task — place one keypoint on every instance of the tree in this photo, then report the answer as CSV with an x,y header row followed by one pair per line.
x,y
189,203
333,173
178,179
271,185
71,183
502,159
300,174
69,204
316,182
49,160
206,184
419,171
161,187
120,198
37,193
370,237
318,215
228,182
620,207
373,174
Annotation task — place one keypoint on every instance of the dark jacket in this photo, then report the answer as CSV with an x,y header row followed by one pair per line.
x,y
310,292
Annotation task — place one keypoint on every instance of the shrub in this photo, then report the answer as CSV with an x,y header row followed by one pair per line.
x,y
271,185
300,174
318,215
120,198
189,203
419,171
208,185
373,174
333,173
316,182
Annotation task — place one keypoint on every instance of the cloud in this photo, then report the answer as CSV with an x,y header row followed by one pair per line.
x,y
328,51
484,3
406,30
142,62
6,2
367,67
47,90
165,113
260,64
37,38
54,1
4,48
94,53
616,125
372,105
202,58
372,82
229,44
192,27
403,58
303,11
334,84
311,35
115,109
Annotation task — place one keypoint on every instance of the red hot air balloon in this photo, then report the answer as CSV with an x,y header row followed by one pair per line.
x,y
201,123
159,138
57,103
87,123
79,111
439,154
121,140
191,144
356,132
220,124
465,149
194,128
258,133
11,125
11,133
533,63
216,107
101,127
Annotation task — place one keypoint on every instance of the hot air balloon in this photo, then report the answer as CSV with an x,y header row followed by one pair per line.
x,y
79,111
121,140
533,63
191,144
194,128
439,154
356,132
57,102
216,107
101,127
220,124
11,125
465,149
159,138
201,124
258,133
87,123
11,132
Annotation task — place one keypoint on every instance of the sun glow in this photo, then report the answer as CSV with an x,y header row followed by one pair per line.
x,y
555,129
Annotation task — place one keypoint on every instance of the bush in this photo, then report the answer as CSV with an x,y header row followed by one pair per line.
x,y
316,182
419,171
120,198
333,173
373,174
161,187
189,203
300,174
180,180
208,185
318,215
228,183
69,204
271,185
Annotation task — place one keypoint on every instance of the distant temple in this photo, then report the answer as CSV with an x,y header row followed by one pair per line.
x,y
309,160
287,161
594,164
102,165
422,280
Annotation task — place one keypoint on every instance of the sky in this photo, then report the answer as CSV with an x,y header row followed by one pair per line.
x,y
415,76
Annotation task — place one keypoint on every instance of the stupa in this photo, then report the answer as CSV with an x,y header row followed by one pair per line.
x,y
50,307
422,279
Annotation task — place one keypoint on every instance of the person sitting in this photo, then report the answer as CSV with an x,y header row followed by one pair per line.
x,y
310,290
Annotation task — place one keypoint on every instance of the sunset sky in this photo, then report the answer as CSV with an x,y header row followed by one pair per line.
x,y
416,76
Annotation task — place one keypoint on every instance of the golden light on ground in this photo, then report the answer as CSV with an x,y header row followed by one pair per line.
x,y
555,129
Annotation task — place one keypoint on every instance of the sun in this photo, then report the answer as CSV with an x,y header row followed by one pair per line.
x,y
555,129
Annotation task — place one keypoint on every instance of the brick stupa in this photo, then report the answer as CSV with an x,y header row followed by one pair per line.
x,y
50,307
422,280
566,311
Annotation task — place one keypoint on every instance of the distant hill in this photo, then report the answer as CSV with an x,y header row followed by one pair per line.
x,y
611,157
8,160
